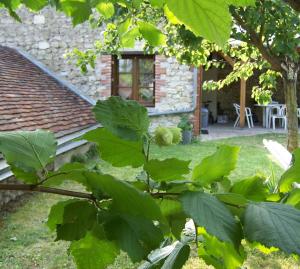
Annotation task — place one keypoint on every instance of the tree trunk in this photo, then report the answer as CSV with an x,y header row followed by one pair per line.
x,y
290,89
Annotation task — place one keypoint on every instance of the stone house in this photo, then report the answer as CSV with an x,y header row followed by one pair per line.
x,y
167,88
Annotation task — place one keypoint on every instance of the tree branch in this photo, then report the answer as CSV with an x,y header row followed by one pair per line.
x,y
257,42
36,188
83,195
227,58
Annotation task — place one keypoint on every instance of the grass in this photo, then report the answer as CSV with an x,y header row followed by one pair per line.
x,y
26,243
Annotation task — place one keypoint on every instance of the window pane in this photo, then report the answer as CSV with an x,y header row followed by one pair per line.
x,y
125,93
125,65
146,80
146,95
146,66
125,80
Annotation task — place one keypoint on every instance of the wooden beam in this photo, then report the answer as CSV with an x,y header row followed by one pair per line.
x,y
197,113
242,102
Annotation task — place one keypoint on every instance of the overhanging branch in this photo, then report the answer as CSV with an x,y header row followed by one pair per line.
x,y
257,42
36,188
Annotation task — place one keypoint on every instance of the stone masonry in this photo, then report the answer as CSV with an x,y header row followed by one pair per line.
x,y
48,35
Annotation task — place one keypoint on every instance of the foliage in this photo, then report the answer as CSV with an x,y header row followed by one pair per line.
x,y
28,153
148,213
185,124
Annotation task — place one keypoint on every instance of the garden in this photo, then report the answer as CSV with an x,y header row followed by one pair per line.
x,y
26,242
151,194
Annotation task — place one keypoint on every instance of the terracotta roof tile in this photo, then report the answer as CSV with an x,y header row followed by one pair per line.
x,y
31,99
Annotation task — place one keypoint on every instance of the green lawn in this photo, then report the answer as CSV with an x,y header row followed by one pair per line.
x,y
26,243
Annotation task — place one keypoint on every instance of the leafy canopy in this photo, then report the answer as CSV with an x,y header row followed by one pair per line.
x,y
146,217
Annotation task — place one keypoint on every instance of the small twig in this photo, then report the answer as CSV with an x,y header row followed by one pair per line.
x,y
53,175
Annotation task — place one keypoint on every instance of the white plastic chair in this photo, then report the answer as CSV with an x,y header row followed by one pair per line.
x,y
248,115
281,115
270,111
298,112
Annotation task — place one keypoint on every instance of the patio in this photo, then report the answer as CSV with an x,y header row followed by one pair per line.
x,y
220,131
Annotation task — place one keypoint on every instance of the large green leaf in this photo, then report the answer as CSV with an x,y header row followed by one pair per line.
x,y
91,252
28,152
125,119
207,18
215,167
126,198
56,215
157,3
35,5
106,8
273,225
233,199
253,188
68,171
292,174
128,38
167,170
208,212
135,235
241,2
78,10
221,255
118,152
173,213
153,35
72,219
294,198
236,203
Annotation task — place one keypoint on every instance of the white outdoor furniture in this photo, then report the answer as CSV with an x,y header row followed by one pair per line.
x,y
298,112
281,115
267,113
248,115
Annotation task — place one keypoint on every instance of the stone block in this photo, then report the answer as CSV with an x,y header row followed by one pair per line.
x,y
38,19
43,45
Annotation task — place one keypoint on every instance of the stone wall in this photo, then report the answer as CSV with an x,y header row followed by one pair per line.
x,y
7,196
173,85
48,35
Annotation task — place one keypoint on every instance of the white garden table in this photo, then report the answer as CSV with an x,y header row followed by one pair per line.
x,y
266,113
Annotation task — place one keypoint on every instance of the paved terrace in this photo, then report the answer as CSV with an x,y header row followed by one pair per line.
x,y
219,131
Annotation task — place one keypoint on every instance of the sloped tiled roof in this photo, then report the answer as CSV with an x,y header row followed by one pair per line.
x,y
31,99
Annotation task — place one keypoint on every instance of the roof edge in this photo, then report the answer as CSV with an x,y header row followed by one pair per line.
x,y
61,81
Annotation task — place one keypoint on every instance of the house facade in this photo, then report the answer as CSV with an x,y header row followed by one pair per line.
x,y
165,87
